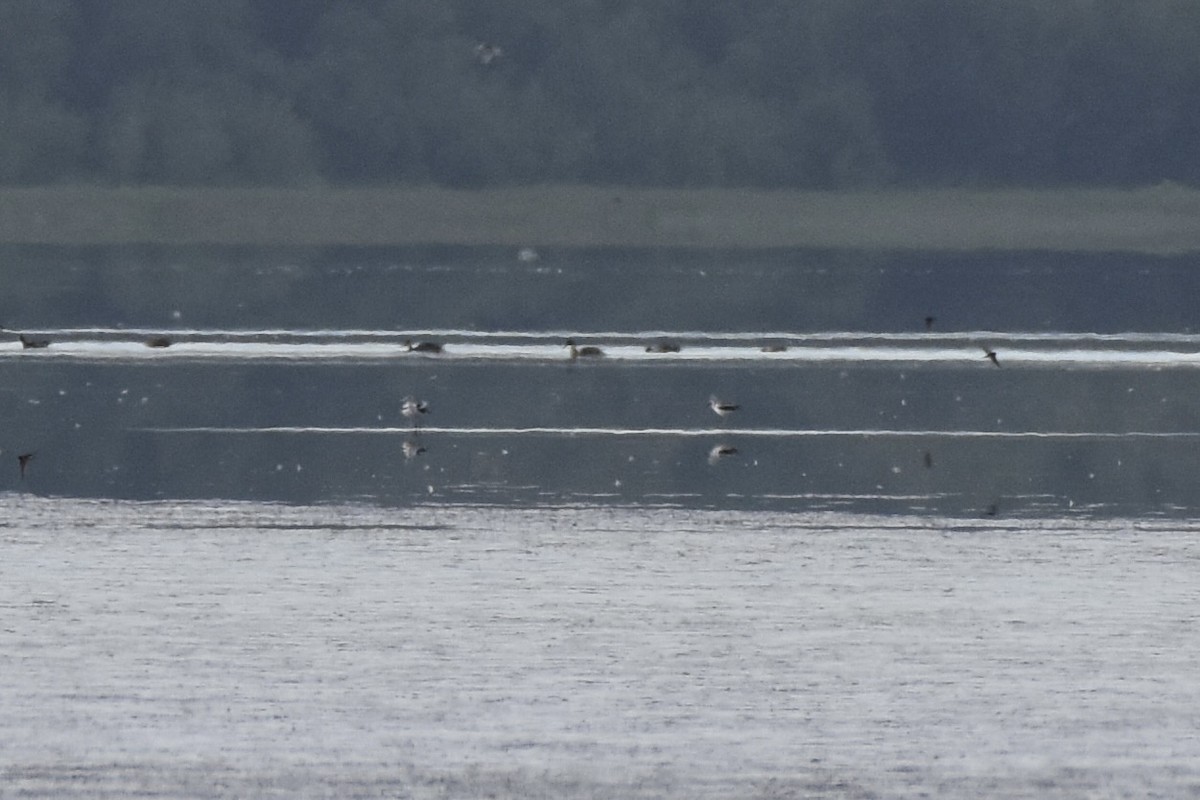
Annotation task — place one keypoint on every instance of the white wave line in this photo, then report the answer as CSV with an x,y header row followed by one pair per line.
x,y
557,335
684,432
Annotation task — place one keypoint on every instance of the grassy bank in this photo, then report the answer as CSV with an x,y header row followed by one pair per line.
x,y
1163,219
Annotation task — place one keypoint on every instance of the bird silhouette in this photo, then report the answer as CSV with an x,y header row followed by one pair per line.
x,y
412,409
587,351
721,408
721,451
990,355
422,347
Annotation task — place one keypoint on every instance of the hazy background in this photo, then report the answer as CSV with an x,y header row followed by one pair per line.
x,y
768,93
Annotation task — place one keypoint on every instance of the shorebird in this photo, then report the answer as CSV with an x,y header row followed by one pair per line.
x,y
422,347
30,343
990,354
158,341
663,347
412,409
587,351
721,451
23,462
721,408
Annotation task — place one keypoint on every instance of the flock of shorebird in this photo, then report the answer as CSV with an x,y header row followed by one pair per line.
x,y
413,409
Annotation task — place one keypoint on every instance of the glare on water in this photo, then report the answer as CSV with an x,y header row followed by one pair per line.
x,y
220,649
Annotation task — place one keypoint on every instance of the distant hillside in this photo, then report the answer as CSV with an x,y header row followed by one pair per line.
x,y
813,94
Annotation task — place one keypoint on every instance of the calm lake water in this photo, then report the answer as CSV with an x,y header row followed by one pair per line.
x,y
286,371
234,567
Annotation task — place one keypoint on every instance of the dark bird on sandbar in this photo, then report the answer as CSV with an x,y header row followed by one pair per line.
x,y
158,341
412,409
587,351
929,320
722,408
29,343
990,355
664,346
23,462
721,451
422,347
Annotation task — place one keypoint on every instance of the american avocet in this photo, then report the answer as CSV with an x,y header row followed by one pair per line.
x,y
720,451
990,354
422,347
412,409
23,462
30,343
720,408
587,351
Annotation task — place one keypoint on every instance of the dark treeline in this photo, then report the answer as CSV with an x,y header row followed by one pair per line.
x,y
768,93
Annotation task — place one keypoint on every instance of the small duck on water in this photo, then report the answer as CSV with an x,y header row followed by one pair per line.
x,y
422,347
587,351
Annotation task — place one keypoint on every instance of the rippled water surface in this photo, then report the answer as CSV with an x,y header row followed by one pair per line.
x,y
248,649
232,566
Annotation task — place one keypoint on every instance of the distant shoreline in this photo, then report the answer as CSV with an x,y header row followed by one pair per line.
x,y
1163,219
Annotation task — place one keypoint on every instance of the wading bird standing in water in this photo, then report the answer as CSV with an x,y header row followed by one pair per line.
x,y
23,462
721,408
721,451
412,409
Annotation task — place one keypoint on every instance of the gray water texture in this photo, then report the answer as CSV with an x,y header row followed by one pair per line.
x,y
286,375
245,649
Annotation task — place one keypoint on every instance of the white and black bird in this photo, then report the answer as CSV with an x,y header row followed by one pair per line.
x,y
722,408
413,410
412,448
721,451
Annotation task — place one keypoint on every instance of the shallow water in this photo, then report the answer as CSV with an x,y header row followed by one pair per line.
x,y
235,649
